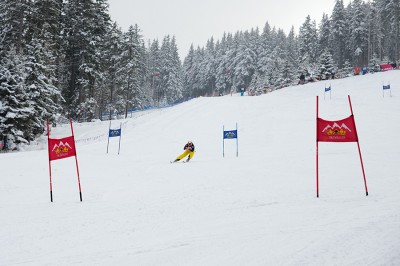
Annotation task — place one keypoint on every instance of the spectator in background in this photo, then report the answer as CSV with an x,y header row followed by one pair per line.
x,y
356,70
302,79
364,70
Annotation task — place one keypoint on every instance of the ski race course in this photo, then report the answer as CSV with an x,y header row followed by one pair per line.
x,y
259,208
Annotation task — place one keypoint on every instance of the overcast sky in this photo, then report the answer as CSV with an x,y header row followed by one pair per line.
x,y
195,21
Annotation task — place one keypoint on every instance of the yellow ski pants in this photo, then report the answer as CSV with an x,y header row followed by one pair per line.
x,y
186,152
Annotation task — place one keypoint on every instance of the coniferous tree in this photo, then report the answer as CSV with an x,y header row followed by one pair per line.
x,y
131,71
374,63
46,28
308,44
110,79
188,73
14,24
347,69
327,67
154,71
208,67
171,79
224,71
42,95
15,108
358,41
244,61
86,23
393,10
324,36
338,28
264,53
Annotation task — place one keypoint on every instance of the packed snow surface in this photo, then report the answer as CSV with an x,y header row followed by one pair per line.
x,y
259,208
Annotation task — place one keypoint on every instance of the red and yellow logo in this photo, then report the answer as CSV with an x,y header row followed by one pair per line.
x,y
61,150
336,130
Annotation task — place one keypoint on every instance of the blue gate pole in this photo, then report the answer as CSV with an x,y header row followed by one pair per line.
x,y
120,135
223,141
237,141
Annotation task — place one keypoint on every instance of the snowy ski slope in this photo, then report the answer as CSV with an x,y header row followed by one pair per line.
x,y
256,209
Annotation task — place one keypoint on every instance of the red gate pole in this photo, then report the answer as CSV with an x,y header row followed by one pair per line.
x,y
316,136
48,150
359,150
76,161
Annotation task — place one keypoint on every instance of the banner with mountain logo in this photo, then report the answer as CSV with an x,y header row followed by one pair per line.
x,y
61,148
337,131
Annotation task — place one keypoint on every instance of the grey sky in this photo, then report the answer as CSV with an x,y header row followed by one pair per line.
x,y
195,21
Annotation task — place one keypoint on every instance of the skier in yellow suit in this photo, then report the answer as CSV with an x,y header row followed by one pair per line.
x,y
188,150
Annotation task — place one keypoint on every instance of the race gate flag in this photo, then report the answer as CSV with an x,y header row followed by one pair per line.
x,y
230,134
61,149
386,87
114,133
337,131
343,130
328,89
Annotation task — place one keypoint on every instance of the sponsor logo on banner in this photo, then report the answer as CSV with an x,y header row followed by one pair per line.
x,y
230,134
337,131
114,133
61,148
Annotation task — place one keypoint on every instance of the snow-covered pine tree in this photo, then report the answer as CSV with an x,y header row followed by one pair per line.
x,y
131,71
245,60
46,27
358,41
86,23
374,63
326,65
15,108
175,85
273,78
264,52
188,73
224,72
171,74
324,36
338,30
347,69
110,80
14,25
375,32
208,68
393,11
308,41
154,71
42,95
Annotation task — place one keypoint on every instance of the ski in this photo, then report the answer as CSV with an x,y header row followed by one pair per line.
x,y
178,161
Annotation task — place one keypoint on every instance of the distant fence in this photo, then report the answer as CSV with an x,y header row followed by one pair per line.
x,y
106,115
